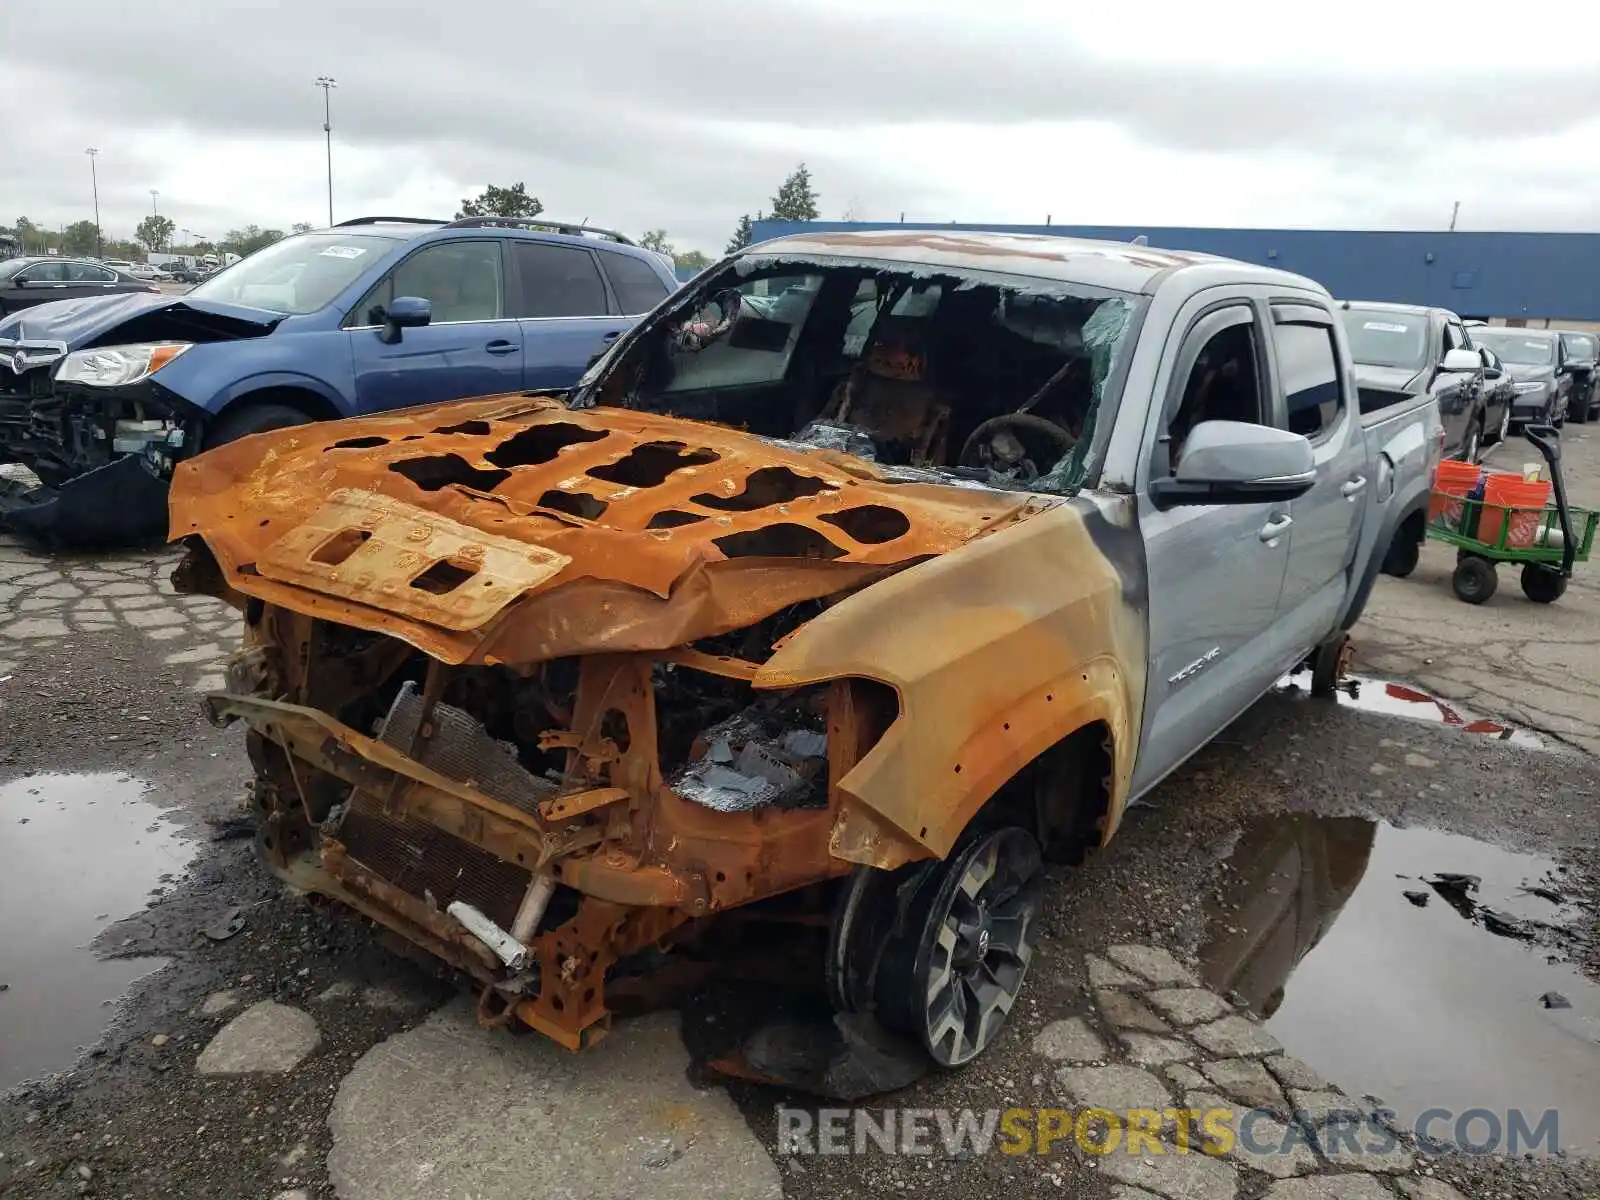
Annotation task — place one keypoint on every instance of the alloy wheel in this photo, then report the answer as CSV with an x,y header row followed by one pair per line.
x,y
976,944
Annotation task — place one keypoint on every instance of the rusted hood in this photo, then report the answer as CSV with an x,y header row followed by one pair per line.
x,y
513,529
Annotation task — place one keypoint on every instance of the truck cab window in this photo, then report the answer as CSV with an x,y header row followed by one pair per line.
x,y
1309,373
1223,385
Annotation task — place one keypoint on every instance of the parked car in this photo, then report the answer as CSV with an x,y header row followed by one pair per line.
x,y
1534,359
375,313
119,264
1409,350
1499,395
30,282
760,614
147,271
1580,352
183,273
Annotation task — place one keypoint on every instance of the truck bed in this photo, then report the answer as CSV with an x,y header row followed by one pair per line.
x,y
1382,404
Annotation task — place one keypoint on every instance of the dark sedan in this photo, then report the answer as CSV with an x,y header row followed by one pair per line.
x,y
25,282
1499,394
1580,358
1532,357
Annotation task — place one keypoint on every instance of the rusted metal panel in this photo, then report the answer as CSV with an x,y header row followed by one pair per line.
x,y
666,530
372,549
995,653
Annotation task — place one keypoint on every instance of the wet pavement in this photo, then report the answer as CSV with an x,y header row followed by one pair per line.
x,y
1415,1000
77,853
1390,698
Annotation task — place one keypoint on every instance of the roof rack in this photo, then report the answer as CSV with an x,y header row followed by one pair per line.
x,y
562,227
391,221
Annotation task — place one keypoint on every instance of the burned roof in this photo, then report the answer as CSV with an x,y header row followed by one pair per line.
x,y
1119,266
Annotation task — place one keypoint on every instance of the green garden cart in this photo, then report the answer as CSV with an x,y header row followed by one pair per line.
x,y
1545,539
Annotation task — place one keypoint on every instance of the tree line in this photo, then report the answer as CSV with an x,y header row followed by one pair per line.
x,y
154,235
795,200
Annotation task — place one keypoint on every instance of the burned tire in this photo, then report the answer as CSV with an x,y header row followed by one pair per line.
x,y
1542,585
251,417
1474,579
957,962
1403,556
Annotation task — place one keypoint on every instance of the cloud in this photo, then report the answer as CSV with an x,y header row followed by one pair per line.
x,y
685,115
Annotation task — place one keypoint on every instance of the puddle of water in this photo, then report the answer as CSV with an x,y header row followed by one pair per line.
x,y
1392,699
76,853
1423,1006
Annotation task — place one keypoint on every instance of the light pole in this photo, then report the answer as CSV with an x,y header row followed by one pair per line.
x,y
155,211
327,83
94,178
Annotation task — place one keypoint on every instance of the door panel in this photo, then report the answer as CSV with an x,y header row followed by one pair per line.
x,y
46,282
471,347
566,314
1327,519
1215,575
1215,570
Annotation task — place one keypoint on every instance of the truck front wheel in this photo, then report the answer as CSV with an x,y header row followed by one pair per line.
x,y
955,964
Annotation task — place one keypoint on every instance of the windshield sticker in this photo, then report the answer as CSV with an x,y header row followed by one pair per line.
x,y
343,252
1385,326
1535,345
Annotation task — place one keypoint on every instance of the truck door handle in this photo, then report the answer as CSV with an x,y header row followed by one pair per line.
x,y
1275,528
501,346
1351,488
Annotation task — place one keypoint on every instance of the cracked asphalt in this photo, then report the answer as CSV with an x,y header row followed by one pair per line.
x,y
1243,946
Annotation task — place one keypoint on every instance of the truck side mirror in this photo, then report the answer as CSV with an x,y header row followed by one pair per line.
x,y
1234,462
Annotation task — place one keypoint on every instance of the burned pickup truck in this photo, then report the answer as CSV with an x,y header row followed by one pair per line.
x,y
865,575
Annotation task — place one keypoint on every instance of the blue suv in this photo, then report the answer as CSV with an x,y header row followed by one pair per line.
x,y
100,397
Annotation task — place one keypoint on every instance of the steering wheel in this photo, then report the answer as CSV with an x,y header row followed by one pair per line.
x,y
1009,440
700,330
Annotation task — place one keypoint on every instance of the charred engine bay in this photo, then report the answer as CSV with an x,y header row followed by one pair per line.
x,y
577,772
704,719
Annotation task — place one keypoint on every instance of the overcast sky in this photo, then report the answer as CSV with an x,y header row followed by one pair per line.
x,y
640,113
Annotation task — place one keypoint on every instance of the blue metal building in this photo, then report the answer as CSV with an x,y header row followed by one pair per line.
x,y
1529,276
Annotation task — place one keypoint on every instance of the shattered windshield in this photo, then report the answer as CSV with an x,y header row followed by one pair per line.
x,y
992,378
297,275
